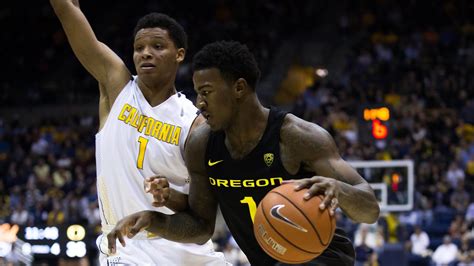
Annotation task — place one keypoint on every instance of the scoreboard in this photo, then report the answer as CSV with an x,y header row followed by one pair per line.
x,y
374,122
43,242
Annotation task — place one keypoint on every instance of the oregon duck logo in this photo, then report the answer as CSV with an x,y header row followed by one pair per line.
x,y
268,158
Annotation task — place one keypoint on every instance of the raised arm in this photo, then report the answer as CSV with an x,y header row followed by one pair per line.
x,y
314,148
96,57
196,224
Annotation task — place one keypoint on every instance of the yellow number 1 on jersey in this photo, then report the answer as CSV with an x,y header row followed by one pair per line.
x,y
252,206
141,153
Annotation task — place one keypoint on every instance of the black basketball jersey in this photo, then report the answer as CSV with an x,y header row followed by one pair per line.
x,y
241,184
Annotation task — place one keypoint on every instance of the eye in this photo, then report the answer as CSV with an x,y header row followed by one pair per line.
x,y
138,48
204,93
158,46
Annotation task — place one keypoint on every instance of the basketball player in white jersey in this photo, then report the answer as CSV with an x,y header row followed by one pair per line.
x,y
144,124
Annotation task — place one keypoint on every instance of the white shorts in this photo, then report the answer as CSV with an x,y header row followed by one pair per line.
x,y
159,251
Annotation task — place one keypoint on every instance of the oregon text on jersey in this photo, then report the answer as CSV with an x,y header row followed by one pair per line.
x,y
161,131
262,182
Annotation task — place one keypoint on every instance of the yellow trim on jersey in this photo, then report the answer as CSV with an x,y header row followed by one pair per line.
x,y
107,211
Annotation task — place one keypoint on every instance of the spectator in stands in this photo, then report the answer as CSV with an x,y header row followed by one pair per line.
x,y
56,215
466,253
363,251
446,253
458,227
418,246
470,213
460,199
19,215
455,175
234,255
369,235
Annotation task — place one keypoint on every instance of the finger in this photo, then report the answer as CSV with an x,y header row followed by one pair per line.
x,y
151,178
147,185
153,186
326,203
315,189
121,240
334,206
166,194
111,243
288,181
300,184
307,182
162,182
140,225
112,238
158,195
158,184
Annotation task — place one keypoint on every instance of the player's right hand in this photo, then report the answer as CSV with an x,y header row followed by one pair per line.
x,y
159,187
128,226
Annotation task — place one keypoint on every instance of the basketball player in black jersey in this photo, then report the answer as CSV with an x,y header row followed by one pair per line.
x,y
244,151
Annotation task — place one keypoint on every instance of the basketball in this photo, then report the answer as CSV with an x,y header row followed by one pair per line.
x,y
291,229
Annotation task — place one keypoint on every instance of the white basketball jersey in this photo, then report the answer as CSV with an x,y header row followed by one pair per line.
x,y
136,142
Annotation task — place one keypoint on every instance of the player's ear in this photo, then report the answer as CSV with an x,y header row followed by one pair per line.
x,y
180,55
239,87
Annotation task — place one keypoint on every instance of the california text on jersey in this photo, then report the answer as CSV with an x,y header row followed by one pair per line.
x,y
161,131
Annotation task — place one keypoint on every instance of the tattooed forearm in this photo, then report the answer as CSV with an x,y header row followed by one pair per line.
x,y
358,203
355,197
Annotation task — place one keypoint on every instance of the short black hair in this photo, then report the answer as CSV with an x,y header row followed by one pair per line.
x,y
233,59
163,21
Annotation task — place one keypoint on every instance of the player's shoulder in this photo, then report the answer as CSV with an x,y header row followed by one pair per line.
x,y
199,136
196,146
294,127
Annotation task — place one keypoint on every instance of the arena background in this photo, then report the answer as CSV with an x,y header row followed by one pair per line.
x,y
390,80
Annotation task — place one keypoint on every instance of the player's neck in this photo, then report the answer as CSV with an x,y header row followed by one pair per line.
x,y
249,125
156,93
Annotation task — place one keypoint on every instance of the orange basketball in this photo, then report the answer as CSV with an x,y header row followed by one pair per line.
x,y
291,229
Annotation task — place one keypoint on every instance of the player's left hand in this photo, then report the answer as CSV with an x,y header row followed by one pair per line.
x,y
320,185
159,187
128,226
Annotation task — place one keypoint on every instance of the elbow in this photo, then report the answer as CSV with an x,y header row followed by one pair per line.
x,y
372,214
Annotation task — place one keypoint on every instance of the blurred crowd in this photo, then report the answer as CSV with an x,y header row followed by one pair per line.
x,y
38,74
48,173
416,58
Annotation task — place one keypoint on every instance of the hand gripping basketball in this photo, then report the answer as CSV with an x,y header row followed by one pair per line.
x,y
290,228
320,185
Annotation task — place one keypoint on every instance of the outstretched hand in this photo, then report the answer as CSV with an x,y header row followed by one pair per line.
x,y
159,187
129,226
320,185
